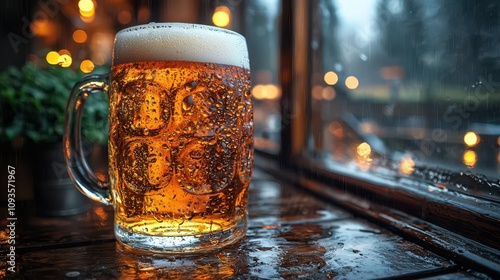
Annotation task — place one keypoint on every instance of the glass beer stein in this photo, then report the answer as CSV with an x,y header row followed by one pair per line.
x,y
180,137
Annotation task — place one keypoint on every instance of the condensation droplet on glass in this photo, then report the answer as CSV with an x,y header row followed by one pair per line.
x,y
214,241
187,103
190,86
196,154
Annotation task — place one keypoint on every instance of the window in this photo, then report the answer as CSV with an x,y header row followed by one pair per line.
x,y
399,101
410,87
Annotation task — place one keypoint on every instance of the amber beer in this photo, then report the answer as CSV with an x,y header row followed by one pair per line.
x,y
180,137
180,147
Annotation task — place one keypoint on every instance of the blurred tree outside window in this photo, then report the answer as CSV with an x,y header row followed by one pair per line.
x,y
408,88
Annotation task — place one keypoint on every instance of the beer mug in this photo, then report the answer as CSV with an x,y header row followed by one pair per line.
x,y
180,137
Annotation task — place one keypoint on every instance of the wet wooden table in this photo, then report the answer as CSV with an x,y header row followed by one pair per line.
x,y
292,234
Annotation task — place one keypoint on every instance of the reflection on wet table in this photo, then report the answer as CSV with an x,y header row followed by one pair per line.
x,y
292,234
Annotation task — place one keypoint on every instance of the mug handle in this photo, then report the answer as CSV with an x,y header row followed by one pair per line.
x,y
79,171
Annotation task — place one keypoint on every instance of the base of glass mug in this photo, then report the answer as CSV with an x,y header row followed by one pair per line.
x,y
181,244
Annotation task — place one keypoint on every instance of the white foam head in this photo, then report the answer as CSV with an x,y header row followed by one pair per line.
x,y
180,42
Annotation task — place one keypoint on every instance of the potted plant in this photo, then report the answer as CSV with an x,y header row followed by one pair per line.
x,y
33,103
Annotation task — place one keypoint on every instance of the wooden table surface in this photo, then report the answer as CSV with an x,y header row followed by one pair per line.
x,y
292,234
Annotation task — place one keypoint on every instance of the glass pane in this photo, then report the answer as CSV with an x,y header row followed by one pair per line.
x,y
408,89
262,33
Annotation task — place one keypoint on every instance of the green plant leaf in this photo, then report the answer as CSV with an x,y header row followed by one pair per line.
x,y
33,103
